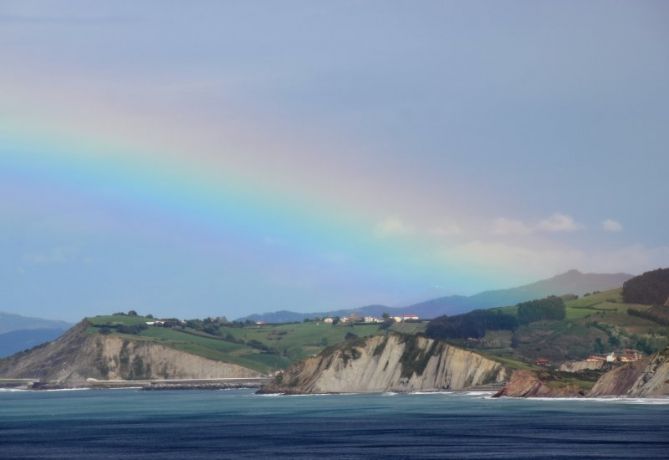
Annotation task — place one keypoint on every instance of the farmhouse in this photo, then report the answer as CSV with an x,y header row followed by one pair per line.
x,y
405,317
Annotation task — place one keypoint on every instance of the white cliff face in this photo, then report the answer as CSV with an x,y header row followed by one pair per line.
x,y
390,363
128,359
77,355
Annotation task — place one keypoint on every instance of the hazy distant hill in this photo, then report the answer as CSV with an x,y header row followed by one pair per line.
x,y
12,322
571,282
15,341
286,316
18,332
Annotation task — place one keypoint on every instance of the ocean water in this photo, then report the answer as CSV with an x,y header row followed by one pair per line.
x,y
135,424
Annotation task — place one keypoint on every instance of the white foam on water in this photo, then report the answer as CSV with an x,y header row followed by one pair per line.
x,y
66,389
304,395
610,400
431,393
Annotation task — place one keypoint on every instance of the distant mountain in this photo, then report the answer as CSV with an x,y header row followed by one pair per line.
x,y
571,282
15,341
286,316
12,322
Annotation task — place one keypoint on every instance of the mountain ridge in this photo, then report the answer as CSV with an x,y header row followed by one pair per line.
x,y
14,322
569,282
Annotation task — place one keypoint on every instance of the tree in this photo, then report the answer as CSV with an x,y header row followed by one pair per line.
x,y
614,341
650,288
550,308
470,325
350,336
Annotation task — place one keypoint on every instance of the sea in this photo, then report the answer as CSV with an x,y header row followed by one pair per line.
x,y
208,424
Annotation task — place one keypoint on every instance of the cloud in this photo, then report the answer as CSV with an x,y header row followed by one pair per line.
x,y
55,255
523,262
393,226
559,223
532,262
446,230
555,223
65,20
610,225
504,226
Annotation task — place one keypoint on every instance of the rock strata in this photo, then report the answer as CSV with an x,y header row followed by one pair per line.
x,y
647,377
79,355
528,384
392,362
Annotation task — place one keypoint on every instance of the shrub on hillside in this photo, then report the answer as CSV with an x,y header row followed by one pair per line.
x,y
132,329
470,325
655,314
550,308
651,288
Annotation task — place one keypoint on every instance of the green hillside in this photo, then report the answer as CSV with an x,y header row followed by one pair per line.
x,y
596,323
261,347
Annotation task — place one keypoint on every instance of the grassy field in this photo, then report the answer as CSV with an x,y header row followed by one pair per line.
x,y
263,348
299,340
110,320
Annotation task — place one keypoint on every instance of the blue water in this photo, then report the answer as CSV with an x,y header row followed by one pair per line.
x,y
132,424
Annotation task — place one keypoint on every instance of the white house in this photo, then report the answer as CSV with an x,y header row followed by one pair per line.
x,y
405,317
328,320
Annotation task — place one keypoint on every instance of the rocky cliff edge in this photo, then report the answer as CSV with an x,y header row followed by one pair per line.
x,y
393,362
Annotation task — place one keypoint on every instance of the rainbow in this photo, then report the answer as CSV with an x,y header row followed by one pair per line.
x,y
222,204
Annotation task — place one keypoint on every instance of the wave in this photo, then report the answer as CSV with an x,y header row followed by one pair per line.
x,y
65,389
610,400
480,393
431,393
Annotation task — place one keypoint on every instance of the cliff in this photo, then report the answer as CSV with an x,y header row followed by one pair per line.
x,y
388,363
580,366
529,384
647,377
78,355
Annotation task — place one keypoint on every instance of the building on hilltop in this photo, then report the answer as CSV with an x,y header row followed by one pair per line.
x,y
405,317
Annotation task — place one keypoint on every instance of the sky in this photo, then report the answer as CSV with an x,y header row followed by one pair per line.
x,y
209,158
